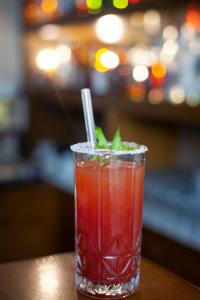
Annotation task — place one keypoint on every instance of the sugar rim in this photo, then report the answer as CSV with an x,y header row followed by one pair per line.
x,y
85,148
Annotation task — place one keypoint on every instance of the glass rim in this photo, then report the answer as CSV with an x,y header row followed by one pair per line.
x,y
85,148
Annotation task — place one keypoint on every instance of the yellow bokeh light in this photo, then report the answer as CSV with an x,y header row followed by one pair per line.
x,y
100,52
94,4
158,70
49,6
106,60
99,67
121,4
109,60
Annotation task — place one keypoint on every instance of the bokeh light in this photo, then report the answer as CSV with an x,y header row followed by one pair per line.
x,y
106,60
31,11
156,96
63,53
81,6
100,52
99,67
109,60
47,60
137,92
49,32
193,18
136,20
158,70
140,73
176,94
110,29
187,32
49,6
5,115
134,1
120,4
94,4
193,99
141,55
170,48
169,51
194,47
124,70
152,22
170,32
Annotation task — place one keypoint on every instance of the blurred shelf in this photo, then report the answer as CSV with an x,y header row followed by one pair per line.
x,y
164,113
16,173
36,219
74,17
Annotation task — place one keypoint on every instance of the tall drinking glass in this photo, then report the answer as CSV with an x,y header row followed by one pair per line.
x,y
109,199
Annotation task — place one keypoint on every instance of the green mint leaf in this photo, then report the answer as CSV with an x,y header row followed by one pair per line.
x,y
99,159
95,157
102,142
126,147
116,142
101,147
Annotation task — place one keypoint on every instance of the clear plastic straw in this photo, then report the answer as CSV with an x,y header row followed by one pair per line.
x,y
88,116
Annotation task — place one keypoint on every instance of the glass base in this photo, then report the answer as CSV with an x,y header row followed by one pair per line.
x,y
113,291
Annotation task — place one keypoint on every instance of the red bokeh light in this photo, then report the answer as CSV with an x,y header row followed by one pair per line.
x,y
193,17
134,1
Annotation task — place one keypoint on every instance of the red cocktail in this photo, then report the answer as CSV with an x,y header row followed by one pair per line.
x,y
109,200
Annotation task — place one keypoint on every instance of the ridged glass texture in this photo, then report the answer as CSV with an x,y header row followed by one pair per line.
x,y
109,199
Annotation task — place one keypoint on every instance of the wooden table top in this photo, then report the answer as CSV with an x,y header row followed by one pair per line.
x,y
52,278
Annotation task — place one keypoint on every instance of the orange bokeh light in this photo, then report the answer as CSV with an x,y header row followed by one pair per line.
x,y
137,92
31,11
158,70
123,57
49,6
193,18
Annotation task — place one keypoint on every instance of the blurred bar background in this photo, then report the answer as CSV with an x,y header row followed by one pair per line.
x,y
141,60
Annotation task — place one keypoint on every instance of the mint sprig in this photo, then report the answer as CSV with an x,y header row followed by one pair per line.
x,y
116,144
102,141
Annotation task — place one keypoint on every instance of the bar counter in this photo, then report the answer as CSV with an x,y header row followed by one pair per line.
x,y
52,277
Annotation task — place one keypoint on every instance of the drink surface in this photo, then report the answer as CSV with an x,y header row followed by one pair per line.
x,y
109,199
